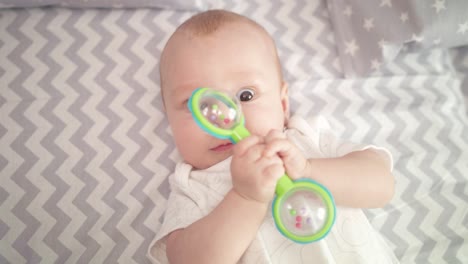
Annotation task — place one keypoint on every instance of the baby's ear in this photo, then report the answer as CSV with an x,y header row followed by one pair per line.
x,y
284,95
163,102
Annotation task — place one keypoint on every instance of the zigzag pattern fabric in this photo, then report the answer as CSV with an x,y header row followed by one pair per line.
x,y
85,149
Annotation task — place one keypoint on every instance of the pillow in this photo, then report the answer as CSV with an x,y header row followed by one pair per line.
x,y
166,4
460,65
370,33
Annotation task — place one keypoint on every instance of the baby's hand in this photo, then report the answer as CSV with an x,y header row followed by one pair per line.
x,y
254,175
278,145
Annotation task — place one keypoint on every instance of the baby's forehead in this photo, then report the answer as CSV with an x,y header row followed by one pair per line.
x,y
183,38
189,37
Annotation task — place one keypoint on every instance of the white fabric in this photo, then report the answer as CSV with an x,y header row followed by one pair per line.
x,y
351,240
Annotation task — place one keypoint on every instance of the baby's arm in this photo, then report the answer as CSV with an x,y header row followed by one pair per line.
x,y
220,237
224,234
360,179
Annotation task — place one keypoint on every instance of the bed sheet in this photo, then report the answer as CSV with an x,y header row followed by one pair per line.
x,y
85,149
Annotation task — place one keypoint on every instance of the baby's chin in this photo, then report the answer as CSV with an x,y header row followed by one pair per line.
x,y
207,162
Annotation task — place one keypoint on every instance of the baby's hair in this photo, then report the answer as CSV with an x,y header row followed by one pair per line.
x,y
207,23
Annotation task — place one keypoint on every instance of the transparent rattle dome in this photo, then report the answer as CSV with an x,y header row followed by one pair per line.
x,y
220,110
302,212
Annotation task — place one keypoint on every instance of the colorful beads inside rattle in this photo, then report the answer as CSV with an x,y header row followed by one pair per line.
x,y
218,116
219,111
303,215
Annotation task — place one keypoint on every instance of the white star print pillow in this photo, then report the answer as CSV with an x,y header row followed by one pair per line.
x,y
371,33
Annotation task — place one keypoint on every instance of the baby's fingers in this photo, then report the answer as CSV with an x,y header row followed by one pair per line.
x,y
274,171
279,147
244,145
273,135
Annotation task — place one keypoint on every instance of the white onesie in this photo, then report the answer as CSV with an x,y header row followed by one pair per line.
x,y
194,193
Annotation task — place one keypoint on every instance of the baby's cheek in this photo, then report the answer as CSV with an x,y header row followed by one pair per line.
x,y
184,140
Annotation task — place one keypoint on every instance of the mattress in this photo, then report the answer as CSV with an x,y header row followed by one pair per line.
x,y
85,148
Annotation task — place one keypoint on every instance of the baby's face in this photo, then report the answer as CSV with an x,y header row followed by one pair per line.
x,y
236,59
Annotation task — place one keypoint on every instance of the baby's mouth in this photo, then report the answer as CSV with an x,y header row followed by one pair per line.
x,y
222,147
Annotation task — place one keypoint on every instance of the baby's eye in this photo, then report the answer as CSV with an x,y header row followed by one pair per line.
x,y
185,105
246,94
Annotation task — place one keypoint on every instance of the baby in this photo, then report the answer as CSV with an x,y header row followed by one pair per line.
x,y
219,207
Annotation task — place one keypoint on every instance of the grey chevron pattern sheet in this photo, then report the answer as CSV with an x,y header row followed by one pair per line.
x,y
85,149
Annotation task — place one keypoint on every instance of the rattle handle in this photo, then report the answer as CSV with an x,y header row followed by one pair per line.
x,y
284,182
239,133
283,185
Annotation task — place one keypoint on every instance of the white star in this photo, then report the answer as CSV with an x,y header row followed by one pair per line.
x,y
382,43
404,17
375,64
439,5
351,47
463,28
368,24
386,3
348,11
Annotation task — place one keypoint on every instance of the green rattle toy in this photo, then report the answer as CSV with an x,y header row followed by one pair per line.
x,y
303,210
